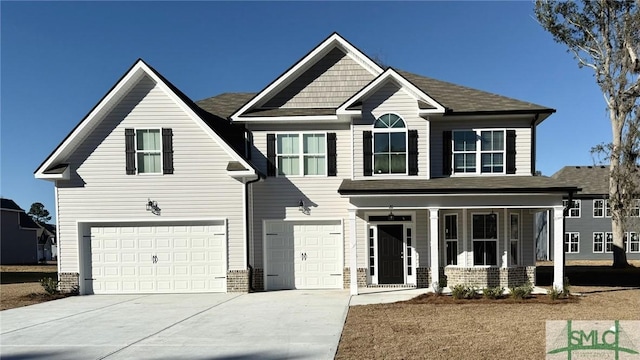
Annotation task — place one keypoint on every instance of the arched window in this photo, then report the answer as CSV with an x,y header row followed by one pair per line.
x,y
389,145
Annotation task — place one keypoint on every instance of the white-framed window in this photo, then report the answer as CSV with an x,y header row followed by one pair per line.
x,y
372,250
571,242
607,208
635,209
514,236
410,252
574,210
486,158
389,145
608,242
485,239
301,154
451,239
634,243
598,208
598,242
148,151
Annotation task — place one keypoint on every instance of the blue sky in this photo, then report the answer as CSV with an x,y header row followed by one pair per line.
x,y
59,58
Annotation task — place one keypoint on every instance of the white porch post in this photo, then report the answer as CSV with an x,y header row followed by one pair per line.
x,y
505,252
353,252
434,249
558,247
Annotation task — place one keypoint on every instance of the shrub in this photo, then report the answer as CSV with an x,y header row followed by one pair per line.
x,y
521,292
458,291
492,292
471,292
443,281
50,285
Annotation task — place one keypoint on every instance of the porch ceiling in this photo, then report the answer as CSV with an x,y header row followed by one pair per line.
x,y
457,185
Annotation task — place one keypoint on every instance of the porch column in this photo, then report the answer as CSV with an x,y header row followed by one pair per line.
x,y
353,252
434,249
558,247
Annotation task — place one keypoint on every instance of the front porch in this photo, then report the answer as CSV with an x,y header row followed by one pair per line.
x,y
478,239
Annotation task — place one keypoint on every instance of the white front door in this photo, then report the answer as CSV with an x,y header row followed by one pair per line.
x,y
157,259
303,255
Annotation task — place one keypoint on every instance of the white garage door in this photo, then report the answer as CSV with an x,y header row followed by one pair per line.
x,y
157,259
303,255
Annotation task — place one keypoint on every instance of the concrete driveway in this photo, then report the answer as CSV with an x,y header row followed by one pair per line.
x,y
272,325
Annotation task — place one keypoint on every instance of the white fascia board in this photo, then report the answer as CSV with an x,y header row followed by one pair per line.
x,y
107,102
385,77
324,47
248,174
446,194
300,118
66,175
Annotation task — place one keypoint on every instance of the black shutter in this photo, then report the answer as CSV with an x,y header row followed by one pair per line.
x,y
511,151
413,152
367,153
332,167
167,151
271,155
446,153
130,150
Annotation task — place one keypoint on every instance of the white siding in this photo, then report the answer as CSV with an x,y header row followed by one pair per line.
x,y
278,197
327,83
99,188
523,140
390,98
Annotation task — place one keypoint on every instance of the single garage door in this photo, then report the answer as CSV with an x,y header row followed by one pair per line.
x,y
157,259
303,255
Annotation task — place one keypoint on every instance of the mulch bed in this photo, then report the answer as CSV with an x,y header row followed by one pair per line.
x,y
431,298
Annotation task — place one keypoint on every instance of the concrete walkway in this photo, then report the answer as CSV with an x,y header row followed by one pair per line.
x,y
272,325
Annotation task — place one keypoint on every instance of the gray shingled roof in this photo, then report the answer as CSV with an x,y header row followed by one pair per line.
x,y
224,105
9,204
594,180
493,184
461,99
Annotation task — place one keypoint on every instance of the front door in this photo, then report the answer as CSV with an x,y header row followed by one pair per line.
x,y
390,245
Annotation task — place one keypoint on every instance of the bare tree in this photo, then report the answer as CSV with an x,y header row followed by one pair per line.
x,y
605,37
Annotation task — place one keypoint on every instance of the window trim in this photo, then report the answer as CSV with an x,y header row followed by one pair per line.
x,y
496,240
135,148
602,209
517,241
479,152
568,244
593,241
301,154
637,240
579,208
375,130
608,235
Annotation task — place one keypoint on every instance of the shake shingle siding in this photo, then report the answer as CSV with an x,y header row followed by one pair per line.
x,y
100,189
327,83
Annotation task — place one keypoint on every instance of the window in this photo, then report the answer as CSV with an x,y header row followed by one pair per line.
x,y
607,208
598,208
372,251
608,242
574,210
148,151
301,154
598,242
485,239
571,242
514,228
409,252
451,238
634,244
490,157
389,145
635,209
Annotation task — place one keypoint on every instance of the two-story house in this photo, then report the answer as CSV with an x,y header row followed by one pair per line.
x,y
587,226
338,174
18,235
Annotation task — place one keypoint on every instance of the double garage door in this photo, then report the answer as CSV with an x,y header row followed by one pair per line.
x,y
303,255
157,258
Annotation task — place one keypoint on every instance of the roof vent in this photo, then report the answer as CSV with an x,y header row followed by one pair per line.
x,y
577,167
590,167
602,167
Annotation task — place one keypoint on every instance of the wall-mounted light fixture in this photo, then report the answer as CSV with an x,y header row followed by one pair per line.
x,y
153,207
391,217
303,208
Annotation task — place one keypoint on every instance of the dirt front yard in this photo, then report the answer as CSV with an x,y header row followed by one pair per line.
x,y
20,285
472,329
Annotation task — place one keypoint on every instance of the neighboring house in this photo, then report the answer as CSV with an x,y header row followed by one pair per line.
x,y
338,174
18,235
47,248
588,222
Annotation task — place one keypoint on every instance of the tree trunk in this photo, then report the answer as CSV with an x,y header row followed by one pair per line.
x,y
615,195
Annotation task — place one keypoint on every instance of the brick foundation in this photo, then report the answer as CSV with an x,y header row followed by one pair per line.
x,y
238,281
346,278
69,282
490,277
258,279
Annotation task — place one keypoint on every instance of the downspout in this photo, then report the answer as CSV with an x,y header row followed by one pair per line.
x,y
248,228
533,143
